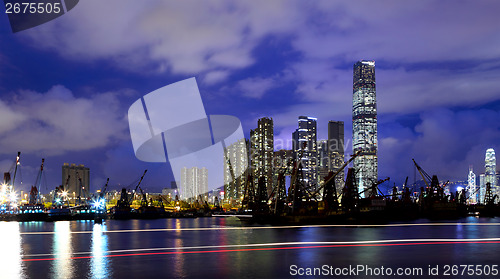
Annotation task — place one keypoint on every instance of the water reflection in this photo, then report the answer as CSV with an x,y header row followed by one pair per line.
x,y
179,265
99,264
10,256
62,266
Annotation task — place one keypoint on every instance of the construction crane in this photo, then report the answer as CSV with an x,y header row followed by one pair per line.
x,y
122,209
103,190
248,193
100,202
67,183
81,189
137,187
374,188
331,178
144,198
35,190
426,177
15,170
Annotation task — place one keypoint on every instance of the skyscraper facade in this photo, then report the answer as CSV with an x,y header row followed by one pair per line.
x,y
77,178
364,124
305,143
323,154
471,186
236,162
336,150
262,152
482,188
194,182
490,169
323,160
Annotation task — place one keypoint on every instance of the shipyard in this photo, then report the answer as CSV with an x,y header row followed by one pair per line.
x,y
288,204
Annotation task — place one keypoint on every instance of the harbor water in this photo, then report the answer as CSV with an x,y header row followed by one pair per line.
x,y
214,247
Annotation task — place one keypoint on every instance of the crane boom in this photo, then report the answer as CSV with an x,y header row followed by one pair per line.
x,y
337,172
103,191
138,184
38,181
15,169
67,183
422,173
140,180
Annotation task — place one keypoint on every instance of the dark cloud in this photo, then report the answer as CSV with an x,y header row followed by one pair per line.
x,y
55,122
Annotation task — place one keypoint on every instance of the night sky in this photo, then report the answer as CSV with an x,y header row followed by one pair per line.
x,y
66,86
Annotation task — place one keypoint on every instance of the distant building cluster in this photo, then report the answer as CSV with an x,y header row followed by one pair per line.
x,y
317,157
489,181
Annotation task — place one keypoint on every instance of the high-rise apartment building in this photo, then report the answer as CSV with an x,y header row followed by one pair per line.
x,y
262,152
305,144
235,162
194,182
364,124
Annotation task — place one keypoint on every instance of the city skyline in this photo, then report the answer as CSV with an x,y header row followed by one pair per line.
x,y
65,86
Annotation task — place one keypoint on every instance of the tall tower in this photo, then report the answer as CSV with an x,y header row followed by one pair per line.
x,y
364,124
490,169
305,139
336,150
471,186
262,152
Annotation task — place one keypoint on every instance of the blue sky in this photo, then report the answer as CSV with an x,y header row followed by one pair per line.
x,y
66,86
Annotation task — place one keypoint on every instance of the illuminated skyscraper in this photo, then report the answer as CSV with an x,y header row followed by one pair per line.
x,y
236,161
364,124
262,152
305,139
194,182
490,169
471,186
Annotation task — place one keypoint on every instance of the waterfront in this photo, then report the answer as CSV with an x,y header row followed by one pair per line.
x,y
223,248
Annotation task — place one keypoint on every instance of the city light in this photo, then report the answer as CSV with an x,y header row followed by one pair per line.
x,y
99,204
13,197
